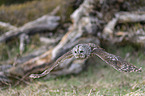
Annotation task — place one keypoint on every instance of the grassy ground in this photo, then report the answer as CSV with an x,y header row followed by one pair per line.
x,y
98,79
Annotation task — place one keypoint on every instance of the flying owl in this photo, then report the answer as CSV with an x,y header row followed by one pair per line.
x,y
83,51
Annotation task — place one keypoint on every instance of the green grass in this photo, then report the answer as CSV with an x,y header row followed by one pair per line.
x,y
10,50
98,79
21,13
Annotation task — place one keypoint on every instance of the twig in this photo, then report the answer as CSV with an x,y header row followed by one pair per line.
x,y
109,28
22,79
50,41
54,11
125,17
90,92
23,37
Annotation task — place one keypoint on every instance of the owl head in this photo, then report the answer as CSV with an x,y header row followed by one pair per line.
x,y
81,51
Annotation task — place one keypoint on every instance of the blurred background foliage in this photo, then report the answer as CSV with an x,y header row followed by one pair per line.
x,y
18,13
9,2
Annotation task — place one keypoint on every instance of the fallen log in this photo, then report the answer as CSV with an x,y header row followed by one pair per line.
x,y
137,37
129,17
48,22
44,23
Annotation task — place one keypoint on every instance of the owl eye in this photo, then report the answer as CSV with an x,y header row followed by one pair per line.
x,y
81,51
75,51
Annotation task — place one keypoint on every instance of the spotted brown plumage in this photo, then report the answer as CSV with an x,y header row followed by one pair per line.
x,y
83,51
115,61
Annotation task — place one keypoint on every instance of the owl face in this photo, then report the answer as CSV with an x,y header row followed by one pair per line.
x,y
81,51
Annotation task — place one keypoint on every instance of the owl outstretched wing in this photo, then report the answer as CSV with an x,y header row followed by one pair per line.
x,y
115,61
57,62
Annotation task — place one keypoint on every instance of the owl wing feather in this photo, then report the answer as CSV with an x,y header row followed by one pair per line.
x,y
115,61
57,62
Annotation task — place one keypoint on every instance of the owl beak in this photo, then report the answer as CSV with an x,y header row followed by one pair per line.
x,y
77,57
80,56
